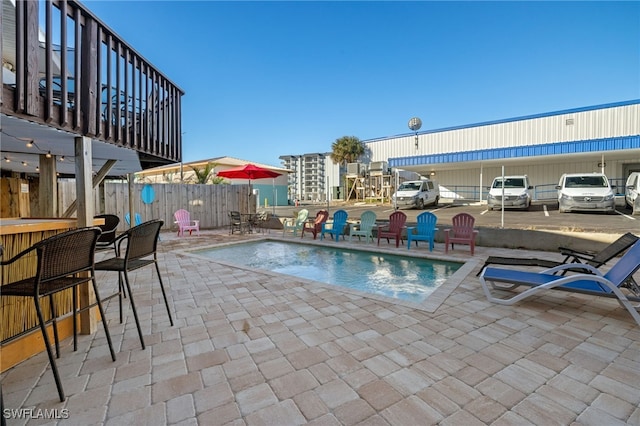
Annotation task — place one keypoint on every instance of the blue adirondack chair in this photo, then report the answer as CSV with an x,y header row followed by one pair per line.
x,y
424,231
137,216
138,221
335,228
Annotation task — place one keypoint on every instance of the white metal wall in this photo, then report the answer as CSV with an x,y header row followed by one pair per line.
x,y
594,124
457,181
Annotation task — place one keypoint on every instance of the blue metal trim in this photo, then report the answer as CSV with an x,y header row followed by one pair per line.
x,y
593,145
509,120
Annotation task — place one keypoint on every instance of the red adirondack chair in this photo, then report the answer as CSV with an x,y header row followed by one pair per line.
x,y
394,229
461,233
315,226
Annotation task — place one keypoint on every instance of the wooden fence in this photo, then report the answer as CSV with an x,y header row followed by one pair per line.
x,y
207,203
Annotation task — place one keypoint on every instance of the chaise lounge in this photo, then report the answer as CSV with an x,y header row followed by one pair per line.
x,y
616,283
574,256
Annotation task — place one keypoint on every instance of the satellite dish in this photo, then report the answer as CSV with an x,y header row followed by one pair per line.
x,y
415,123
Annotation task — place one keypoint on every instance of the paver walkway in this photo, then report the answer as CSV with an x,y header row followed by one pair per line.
x,y
250,348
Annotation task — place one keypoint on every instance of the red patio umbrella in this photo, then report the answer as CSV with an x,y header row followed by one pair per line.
x,y
248,171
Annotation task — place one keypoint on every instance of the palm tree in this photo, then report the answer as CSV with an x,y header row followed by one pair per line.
x,y
203,175
347,149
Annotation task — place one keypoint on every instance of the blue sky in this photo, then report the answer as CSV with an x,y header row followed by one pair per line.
x,y
265,79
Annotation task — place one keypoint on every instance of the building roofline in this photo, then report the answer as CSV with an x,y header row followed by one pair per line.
x,y
509,120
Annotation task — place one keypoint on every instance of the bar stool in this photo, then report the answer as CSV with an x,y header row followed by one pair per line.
x,y
108,237
64,261
141,242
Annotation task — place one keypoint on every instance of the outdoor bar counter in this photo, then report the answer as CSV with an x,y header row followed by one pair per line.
x,y
19,333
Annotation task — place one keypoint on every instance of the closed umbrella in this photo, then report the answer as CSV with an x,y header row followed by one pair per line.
x,y
248,171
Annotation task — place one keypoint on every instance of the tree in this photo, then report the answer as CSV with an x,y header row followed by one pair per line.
x,y
203,175
347,149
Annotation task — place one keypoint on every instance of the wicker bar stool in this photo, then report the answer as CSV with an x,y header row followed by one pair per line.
x,y
64,261
141,245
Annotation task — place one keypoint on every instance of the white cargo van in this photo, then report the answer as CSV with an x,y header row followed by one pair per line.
x,y
517,193
417,193
631,190
585,192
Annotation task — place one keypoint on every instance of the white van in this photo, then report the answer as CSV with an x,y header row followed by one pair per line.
x,y
517,193
631,190
585,192
417,193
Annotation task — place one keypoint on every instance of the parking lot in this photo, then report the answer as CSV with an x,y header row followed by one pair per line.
x,y
541,216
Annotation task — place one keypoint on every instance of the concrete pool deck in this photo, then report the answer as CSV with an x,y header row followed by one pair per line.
x,y
254,348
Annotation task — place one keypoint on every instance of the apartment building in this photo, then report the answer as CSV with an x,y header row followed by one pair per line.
x,y
315,177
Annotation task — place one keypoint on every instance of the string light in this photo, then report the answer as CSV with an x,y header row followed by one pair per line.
x,y
29,143
7,159
62,158
48,154
24,163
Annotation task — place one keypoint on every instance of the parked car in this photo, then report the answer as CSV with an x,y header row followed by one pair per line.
x,y
517,192
585,192
417,193
631,190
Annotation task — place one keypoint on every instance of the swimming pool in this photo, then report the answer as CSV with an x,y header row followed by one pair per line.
x,y
409,279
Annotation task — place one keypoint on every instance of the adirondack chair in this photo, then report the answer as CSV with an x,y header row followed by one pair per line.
x,y
397,220
184,222
137,221
315,226
336,228
462,232
295,225
424,231
137,218
365,227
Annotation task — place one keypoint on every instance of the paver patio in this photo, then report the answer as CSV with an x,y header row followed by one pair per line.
x,y
254,348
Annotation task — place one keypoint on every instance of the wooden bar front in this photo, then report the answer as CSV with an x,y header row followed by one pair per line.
x,y
17,314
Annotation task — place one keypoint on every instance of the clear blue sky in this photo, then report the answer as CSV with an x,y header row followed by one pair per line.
x,y
264,79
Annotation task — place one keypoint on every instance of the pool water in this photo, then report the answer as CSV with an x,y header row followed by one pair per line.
x,y
407,278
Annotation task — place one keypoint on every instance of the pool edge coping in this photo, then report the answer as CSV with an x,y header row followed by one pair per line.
x,y
430,304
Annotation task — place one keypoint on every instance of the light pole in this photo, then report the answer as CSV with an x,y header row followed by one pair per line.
x,y
395,192
414,124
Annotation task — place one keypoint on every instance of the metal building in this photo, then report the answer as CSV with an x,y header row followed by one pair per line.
x,y
465,159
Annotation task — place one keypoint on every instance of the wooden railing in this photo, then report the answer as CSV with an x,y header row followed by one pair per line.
x,y
64,68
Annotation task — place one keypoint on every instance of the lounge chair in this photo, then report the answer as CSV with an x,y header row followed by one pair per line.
x,y
315,225
365,227
610,284
462,232
295,225
335,228
571,256
184,222
397,220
